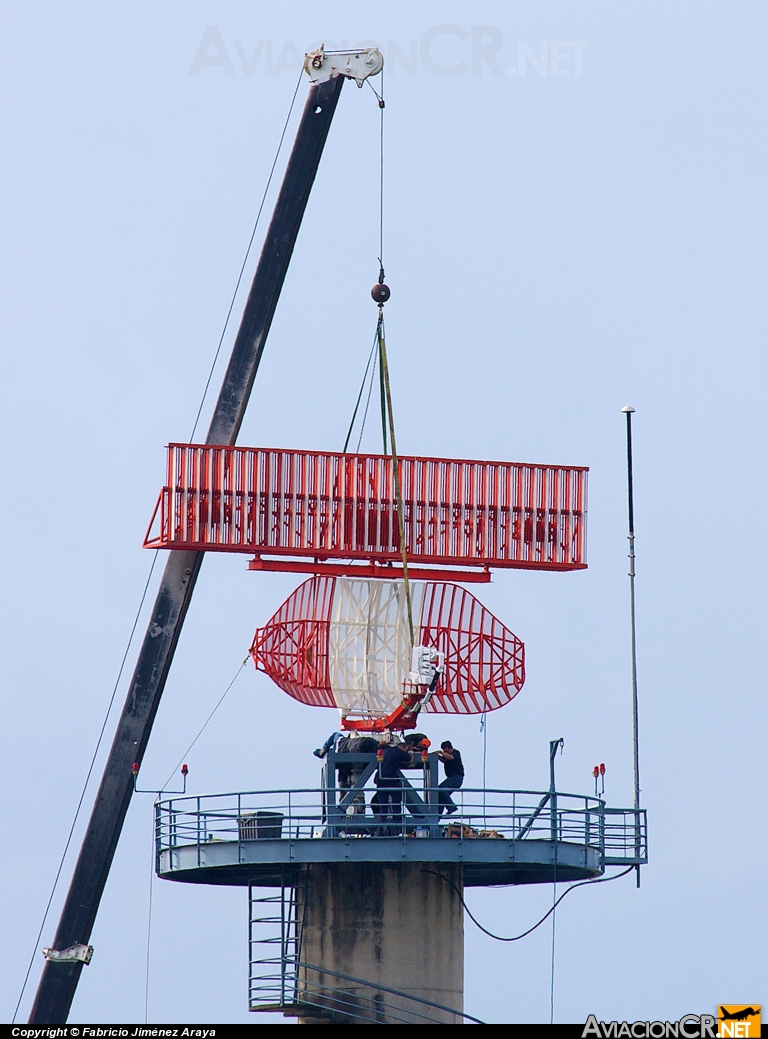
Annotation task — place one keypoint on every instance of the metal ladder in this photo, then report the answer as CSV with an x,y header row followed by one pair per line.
x,y
274,937
279,981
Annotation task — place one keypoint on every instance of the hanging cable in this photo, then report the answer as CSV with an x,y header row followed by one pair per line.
x,y
380,293
383,401
367,402
149,925
374,353
382,106
204,725
395,467
152,873
372,357
517,937
87,781
484,732
154,560
245,258
552,962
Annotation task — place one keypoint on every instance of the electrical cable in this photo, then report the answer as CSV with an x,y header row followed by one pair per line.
x,y
85,784
204,726
517,937
149,925
154,560
484,731
552,962
245,259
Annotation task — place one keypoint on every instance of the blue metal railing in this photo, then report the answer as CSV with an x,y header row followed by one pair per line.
x,y
307,814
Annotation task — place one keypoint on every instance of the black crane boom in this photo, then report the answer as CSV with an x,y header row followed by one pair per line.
x,y
59,980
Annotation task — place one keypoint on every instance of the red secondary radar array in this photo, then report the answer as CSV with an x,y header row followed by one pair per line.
x,y
331,507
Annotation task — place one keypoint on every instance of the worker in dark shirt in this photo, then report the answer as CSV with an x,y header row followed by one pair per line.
x,y
390,784
454,777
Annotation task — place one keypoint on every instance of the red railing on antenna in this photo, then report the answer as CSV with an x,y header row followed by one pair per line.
x,y
342,507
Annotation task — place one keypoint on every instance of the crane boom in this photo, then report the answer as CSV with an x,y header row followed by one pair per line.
x,y
61,974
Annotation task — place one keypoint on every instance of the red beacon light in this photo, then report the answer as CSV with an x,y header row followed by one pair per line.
x,y
184,771
135,769
602,769
596,771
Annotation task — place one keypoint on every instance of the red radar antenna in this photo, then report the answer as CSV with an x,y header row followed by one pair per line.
x,y
338,642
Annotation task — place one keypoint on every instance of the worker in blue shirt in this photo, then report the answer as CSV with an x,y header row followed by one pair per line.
x,y
454,777
390,784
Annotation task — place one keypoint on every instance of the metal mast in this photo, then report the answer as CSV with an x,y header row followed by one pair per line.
x,y
629,412
59,979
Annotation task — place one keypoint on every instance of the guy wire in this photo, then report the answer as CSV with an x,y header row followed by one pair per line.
x,y
87,781
205,724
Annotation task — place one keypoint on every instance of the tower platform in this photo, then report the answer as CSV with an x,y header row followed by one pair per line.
x,y
498,837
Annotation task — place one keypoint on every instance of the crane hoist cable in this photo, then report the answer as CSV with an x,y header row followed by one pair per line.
x,y
375,351
387,399
380,293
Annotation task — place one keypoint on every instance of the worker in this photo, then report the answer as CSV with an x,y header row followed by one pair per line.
x,y
328,745
349,774
454,777
389,800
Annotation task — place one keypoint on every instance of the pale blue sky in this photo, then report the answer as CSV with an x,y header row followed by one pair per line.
x,y
558,245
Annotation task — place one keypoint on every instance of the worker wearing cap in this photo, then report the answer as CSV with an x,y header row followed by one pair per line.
x,y
454,777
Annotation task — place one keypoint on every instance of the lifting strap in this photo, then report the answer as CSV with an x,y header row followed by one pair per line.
x,y
386,407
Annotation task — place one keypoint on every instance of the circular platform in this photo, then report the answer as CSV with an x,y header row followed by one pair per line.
x,y
486,861
500,837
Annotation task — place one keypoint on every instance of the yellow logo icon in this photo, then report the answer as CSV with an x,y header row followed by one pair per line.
x,y
738,1022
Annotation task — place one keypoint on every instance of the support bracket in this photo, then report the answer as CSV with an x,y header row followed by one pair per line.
x,y
74,954
322,65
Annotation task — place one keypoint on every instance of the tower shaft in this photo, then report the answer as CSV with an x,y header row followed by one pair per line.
x,y
398,926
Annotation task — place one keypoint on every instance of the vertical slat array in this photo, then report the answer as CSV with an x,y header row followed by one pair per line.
x,y
342,506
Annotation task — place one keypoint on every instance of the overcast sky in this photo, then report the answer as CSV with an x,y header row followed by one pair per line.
x,y
574,221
